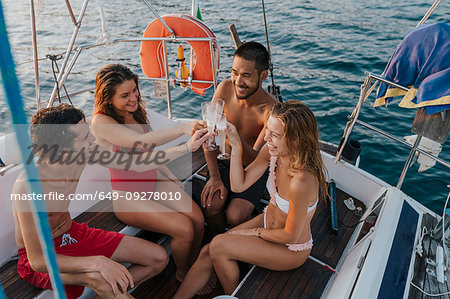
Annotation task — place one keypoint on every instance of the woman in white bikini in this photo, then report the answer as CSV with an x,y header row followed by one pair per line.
x,y
280,238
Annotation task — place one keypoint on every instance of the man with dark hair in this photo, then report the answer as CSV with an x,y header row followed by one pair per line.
x,y
245,105
86,256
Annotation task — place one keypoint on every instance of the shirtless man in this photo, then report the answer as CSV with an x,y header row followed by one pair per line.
x,y
86,256
245,105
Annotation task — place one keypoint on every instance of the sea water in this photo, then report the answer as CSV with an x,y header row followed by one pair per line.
x,y
320,50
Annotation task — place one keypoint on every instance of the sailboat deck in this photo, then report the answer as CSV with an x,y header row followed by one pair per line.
x,y
425,274
308,280
15,287
98,216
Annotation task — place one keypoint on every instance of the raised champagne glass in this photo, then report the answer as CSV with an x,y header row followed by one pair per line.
x,y
221,129
209,115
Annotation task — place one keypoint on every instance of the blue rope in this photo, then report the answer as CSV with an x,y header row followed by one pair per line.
x,y
14,99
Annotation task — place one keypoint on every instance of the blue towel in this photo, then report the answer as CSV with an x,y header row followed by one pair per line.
x,y
420,62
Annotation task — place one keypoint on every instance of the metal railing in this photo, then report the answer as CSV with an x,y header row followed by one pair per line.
x,y
366,89
67,66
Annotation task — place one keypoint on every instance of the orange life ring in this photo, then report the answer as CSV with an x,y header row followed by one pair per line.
x,y
152,55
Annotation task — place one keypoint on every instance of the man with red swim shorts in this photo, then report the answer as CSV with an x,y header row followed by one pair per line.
x,y
79,240
86,256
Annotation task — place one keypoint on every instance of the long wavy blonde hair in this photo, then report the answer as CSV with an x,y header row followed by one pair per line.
x,y
301,138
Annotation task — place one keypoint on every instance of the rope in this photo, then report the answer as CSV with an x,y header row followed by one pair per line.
x,y
429,12
40,7
54,58
428,294
105,36
275,90
419,247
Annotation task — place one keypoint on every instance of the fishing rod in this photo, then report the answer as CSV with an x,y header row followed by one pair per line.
x,y
273,89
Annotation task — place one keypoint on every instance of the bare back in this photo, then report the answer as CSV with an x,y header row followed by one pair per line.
x,y
58,215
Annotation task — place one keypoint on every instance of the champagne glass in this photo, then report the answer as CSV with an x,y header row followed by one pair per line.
x,y
221,128
208,115
219,104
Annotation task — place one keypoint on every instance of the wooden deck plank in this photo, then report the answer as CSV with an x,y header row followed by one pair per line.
x,y
420,266
293,289
309,280
98,216
329,247
432,286
283,278
274,278
303,286
336,239
427,254
185,166
164,285
255,282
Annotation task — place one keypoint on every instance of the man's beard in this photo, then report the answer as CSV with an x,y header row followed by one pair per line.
x,y
249,94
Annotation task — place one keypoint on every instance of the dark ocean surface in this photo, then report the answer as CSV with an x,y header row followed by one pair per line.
x,y
320,51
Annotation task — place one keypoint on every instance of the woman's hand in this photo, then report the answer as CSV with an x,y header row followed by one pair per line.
x,y
233,135
191,127
199,137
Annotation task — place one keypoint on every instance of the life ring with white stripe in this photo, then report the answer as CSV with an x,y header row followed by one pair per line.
x,y
152,54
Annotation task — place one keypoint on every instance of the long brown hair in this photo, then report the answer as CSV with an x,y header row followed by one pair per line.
x,y
106,82
301,138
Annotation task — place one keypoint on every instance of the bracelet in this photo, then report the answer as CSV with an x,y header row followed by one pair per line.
x,y
259,232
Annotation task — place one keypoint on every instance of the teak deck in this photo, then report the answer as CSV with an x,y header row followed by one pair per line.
x,y
423,279
15,287
98,216
307,281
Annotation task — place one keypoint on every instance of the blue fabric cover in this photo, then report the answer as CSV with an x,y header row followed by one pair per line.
x,y
421,62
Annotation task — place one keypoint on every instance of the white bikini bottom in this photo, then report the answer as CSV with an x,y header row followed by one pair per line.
x,y
293,247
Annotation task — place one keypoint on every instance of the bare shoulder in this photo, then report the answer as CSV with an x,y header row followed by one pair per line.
x,y
100,118
21,184
225,84
304,184
266,102
271,98
20,189
224,90
264,153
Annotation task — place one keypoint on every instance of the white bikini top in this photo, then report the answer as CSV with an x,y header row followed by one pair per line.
x,y
275,198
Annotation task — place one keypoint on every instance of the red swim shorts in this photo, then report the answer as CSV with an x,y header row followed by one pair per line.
x,y
79,240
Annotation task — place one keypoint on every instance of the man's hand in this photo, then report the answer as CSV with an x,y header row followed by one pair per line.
x,y
115,274
212,186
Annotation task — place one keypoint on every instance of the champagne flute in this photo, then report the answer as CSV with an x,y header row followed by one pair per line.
x,y
208,115
219,104
221,128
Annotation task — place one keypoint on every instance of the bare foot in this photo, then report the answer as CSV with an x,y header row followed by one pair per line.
x,y
209,287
